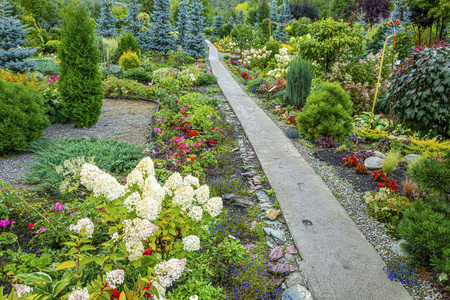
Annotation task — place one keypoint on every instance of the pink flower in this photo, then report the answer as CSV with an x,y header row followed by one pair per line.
x,y
159,120
196,145
158,130
208,116
4,223
58,206
202,142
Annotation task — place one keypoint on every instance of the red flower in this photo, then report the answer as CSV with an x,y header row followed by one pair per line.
x,y
148,252
193,158
30,226
115,294
192,132
103,85
176,101
147,287
156,52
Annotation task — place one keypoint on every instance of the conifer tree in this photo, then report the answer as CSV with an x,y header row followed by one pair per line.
x,y
273,11
230,20
182,21
285,13
195,44
12,37
80,83
133,21
217,23
106,24
263,11
161,31
240,18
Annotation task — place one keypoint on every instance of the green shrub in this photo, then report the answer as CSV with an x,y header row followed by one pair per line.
x,y
224,30
208,31
52,46
80,83
390,162
226,57
419,91
55,33
326,113
431,174
299,78
206,79
129,60
34,34
385,204
137,74
22,117
196,286
274,47
126,42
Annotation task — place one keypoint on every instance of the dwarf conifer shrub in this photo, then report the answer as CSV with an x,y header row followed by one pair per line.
x,y
127,41
299,78
327,113
431,173
129,60
80,83
22,116
206,79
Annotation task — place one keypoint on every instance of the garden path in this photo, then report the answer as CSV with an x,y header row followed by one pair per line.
x,y
337,261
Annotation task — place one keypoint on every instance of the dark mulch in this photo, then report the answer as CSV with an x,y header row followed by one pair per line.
x,y
360,182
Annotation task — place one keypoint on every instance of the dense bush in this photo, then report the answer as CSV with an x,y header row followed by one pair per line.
x,y
299,78
34,35
22,117
27,78
431,174
129,60
326,113
206,79
274,47
127,42
224,30
137,74
419,91
52,46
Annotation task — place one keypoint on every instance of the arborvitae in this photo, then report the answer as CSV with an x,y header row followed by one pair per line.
x,y
106,24
299,78
182,21
79,83
217,23
240,18
12,37
133,21
195,44
273,11
263,11
161,31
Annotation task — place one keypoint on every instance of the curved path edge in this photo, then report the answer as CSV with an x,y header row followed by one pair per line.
x,y
337,260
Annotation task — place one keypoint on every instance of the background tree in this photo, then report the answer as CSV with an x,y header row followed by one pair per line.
x,y
106,24
341,9
273,11
420,18
240,17
12,38
285,13
161,31
217,22
182,22
195,44
45,12
263,11
34,37
133,21
375,10
80,84
304,9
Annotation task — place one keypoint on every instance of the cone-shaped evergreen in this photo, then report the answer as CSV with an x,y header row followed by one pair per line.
x,y
279,33
182,21
285,13
217,22
273,11
133,21
12,37
106,24
230,20
161,32
79,83
195,44
240,18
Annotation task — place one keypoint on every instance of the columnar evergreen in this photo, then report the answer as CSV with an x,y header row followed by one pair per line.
x,y
80,82
133,21
217,22
12,37
195,44
106,24
182,21
240,18
273,11
161,31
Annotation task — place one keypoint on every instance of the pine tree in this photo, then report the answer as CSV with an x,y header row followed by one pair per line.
x,y
161,31
273,11
133,21
217,23
80,82
182,21
106,24
195,44
240,18
12,37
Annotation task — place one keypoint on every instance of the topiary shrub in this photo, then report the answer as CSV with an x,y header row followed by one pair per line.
x,y
224,30
129,60
22,117
419,91
299,78
206,79
274,47
126,42
327,113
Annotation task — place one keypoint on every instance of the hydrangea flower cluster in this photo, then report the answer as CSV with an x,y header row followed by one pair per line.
x,y
85,224
169,271
79,294
115,278
100,182
191,243
255,58
22,289
283,60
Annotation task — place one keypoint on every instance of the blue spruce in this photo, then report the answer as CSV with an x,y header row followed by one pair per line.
x,y
240,18
217,22
133,21
273,11
230,20
182,21
285,13
12,37
195,44
106,24
161,36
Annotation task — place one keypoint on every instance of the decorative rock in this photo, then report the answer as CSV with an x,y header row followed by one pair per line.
x,y
294,278
411,157
272,214
249,174
262,197
238,201
379,154
272,223
256,181
278,235
265,206
373,163
291,249
258,187
235,149
269,244
290,259
297,292
397,248
276,253
261,216
281,268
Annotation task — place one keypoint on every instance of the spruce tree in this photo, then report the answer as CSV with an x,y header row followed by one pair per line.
x,y
161,32
285,13
195,44
12,37
240,18
182,21
106,24
133,21
273,11
79,83
217,23
230,20
263,11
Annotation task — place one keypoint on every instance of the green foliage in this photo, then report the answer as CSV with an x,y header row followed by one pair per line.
x,y
243,36
385,204
390,162
431,173
428,147
111,155
52,46
137,74
419,91
274,47
7,199
326,113
34,35
127,42
196,286
23,117
54,107
129,60
224,30
47,67
373,135
298,79
80,81
206,79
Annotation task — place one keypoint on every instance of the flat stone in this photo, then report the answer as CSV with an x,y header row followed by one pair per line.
x,y
294,278
272,214
270,244
249,174
279,268
262,197
278,235
291,249
373,163
411,157
256,181
297,292
379,154
261,216
272,223
290,259
235,149
265,206
276,253
238,201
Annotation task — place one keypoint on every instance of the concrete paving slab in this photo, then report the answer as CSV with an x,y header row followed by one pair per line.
x,y
339,263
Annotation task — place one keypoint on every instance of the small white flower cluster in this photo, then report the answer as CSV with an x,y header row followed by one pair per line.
x,y
146,166
100,183
135,178
22,289
132,201
202,194
183,197
214,206
138,229
135,249
193,297
195,213
153,189
79,294
254,58
71,168
174,182
115,278
148,208
85,223
169,271
191,243
283,60
191,180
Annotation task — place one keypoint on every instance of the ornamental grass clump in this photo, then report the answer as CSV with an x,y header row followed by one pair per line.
x,y
390,162
299,78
